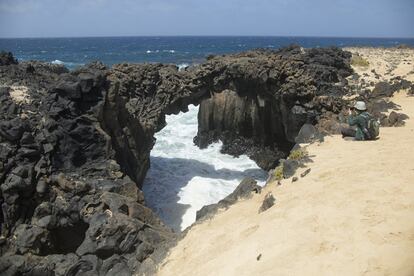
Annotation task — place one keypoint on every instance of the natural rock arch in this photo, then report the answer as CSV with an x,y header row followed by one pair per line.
x,y
74,153
255,102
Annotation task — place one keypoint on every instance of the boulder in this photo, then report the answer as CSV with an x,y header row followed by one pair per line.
x,y
268,202
6,58
289,167
308,134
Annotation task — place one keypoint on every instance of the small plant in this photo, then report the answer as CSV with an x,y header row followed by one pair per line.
x,y
278,173
298,154
357,60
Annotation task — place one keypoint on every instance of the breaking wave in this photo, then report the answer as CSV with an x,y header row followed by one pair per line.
x,y
184,178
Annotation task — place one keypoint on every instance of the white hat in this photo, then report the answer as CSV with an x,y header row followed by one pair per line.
x,y
360,106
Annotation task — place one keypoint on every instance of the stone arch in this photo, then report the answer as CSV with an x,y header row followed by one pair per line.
x,y
256,102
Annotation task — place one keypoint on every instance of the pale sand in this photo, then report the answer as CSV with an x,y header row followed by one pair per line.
x,y
353,214
388,63
20,94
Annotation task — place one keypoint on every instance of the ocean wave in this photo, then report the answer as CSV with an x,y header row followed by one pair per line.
x,y
183,178
157,51
182,66
59,62
70,65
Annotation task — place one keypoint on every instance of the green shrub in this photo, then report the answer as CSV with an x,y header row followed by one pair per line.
x,y
278,173
298,154
357,60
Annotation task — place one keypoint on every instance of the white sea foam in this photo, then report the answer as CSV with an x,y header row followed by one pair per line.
x,y
70,65
183,178
151,52
56,61
182,66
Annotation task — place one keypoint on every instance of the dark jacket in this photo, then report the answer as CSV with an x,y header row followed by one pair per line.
x,y
360,120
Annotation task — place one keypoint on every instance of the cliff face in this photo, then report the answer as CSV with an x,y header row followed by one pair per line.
x,y
270,97
67,206
75,146
255,102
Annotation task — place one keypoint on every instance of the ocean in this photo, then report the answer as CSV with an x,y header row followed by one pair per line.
x,y
182,178
179,50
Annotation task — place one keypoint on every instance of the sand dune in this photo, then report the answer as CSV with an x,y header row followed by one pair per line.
x,y
353,214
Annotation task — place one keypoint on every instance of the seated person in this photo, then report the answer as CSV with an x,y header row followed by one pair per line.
x,y
363,125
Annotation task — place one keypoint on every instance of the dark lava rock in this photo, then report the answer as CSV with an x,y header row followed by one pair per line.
x,y
268,202
266,97
73,159
411,91
308,134
305,173
243,190
6,58
67,208
396,119
289,167
387,89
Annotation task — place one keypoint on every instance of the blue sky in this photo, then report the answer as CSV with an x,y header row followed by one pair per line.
x,y
60,18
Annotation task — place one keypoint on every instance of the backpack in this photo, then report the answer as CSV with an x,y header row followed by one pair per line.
x,y
372,127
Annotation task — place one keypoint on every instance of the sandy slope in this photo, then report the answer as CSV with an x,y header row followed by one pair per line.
x,y
352,215
387,62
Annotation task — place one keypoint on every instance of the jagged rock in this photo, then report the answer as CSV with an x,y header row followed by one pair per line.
x,y
308,134
396,119
6,58
73,159
115,266
243,190
30,238
383,89
387,89
56,162
268,202
284,99
289,167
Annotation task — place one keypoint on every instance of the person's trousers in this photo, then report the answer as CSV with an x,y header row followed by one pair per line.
x,y
348,132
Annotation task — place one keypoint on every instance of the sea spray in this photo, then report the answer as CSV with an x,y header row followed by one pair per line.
x,y
184,178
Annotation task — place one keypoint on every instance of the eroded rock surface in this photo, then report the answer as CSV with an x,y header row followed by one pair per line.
x,y
73,158
67,207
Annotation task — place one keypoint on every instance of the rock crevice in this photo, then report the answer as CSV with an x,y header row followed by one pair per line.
x,y
73,158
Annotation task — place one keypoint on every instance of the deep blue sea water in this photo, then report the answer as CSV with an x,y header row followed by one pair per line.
x,y
179,50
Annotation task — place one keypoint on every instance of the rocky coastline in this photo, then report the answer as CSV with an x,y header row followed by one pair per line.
x,y
75,145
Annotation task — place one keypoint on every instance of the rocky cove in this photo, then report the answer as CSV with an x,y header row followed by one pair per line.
x,y
75,145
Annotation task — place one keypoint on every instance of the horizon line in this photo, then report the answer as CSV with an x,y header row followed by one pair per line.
x,y
161,36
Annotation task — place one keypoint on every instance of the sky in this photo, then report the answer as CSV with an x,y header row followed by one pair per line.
x,y
74,18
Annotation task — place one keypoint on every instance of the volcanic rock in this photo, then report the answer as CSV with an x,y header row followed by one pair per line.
x,y
268,202
73,158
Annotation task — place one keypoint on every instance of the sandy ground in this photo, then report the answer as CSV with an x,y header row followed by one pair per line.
x,y
353,214
387,63
20,94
